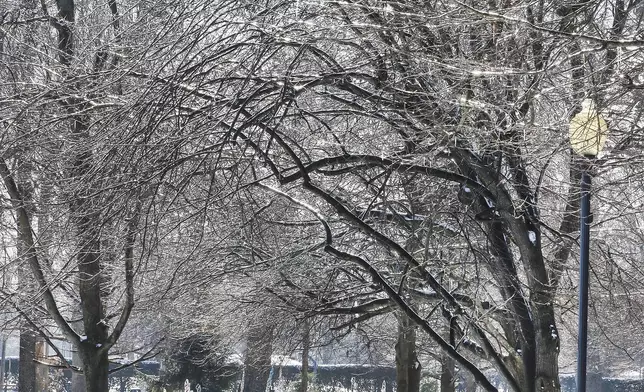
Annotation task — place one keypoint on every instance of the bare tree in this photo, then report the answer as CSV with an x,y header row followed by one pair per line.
x,y
340,100
84,251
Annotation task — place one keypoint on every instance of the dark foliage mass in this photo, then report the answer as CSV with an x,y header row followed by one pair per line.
x,y
194,359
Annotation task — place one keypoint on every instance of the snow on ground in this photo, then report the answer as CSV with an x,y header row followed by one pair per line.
x,y
284,360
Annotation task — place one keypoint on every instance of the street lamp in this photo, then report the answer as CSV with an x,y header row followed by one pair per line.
x,y
587,137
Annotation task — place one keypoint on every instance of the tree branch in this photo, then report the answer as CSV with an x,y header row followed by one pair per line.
x,y
25,234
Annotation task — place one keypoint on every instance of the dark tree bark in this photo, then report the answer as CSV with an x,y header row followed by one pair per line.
x,y
448,366
407,365
27,373
28,336
306,345
3,354
42,370
257,363
447,374
470,383
78,380
95,368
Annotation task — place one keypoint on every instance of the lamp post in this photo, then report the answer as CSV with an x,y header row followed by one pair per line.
x,y
587,137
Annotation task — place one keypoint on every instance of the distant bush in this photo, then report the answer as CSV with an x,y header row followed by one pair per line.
x,y
199,359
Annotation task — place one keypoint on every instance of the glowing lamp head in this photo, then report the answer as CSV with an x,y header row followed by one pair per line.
x,y
588,130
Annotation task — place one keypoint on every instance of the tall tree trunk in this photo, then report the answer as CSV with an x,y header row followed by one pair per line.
x,y
95,363
91,347
27,353
547,342
44,230
42,370
95,368
470,383
3,357
448,366
27,364
306,344
78,379
407,365
448,373
257,363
